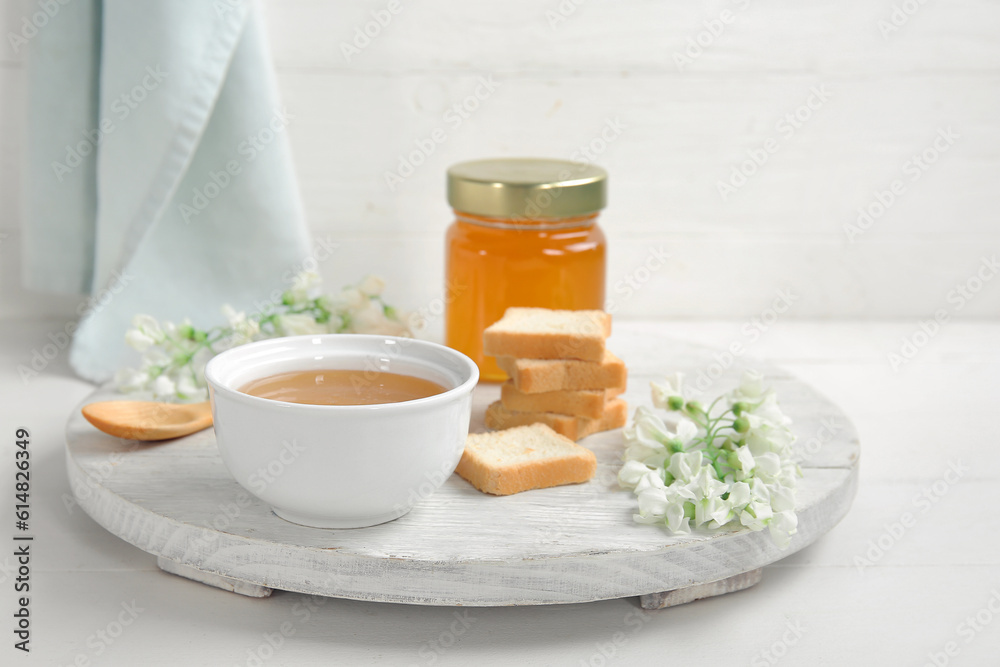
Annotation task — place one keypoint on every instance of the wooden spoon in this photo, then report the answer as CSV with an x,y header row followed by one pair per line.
x,y
148,420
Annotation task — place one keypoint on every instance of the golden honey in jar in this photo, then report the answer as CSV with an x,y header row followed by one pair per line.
x,y
525,234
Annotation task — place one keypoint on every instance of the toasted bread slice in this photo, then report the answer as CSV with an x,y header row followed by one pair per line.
x,y
585,403
523,458
574,428
540,333
535,376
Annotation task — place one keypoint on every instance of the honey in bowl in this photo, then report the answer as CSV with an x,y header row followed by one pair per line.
x,y
342,387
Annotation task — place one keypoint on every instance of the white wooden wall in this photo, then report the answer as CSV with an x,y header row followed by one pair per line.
x,y
889,90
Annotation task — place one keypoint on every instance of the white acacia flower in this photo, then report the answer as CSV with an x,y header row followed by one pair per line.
x,y
652,502
751,387
747,462
198,363
149,326
707,510
739,495
303,285
705,484
782,499
371,286
233,317
372,320
369,319
155,357
676,520
298,324
351,298
139,340
189,389
174,356
758,493
130,379
782,526
335,323
685,465
685,430
164,387
646,436
672,385
769,411
768,465
651,480
631,473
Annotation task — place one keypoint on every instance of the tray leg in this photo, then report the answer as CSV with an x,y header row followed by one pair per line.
x,y
211,579
691,593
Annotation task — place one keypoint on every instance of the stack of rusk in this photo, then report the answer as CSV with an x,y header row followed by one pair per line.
x,y
561,373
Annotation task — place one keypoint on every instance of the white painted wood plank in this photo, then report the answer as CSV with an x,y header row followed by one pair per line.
x,y
184,622
577,543
612,36
678,140
704,278
837,358
784,228
708,277
941,563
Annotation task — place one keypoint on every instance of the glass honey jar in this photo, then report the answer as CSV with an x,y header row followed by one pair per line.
x,y
525,234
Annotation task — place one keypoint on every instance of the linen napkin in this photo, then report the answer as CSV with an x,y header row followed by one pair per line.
x,y
159,179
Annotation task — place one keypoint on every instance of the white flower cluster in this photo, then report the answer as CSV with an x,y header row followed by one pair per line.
x,y
692,469
174,356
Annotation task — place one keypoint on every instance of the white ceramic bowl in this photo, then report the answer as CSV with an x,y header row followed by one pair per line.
x,y
341,466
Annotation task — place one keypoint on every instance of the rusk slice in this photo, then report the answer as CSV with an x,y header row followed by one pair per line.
x,y
523,458
540,333
584,403
574,428
534,376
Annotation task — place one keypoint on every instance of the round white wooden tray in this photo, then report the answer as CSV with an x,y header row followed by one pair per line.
x,y
577,543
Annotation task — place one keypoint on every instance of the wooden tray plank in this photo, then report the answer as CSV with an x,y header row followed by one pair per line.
x,y
458,546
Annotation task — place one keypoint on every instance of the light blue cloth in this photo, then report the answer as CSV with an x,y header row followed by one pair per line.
x,y
159,174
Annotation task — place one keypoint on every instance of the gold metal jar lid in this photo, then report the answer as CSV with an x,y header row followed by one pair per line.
x,y
527,188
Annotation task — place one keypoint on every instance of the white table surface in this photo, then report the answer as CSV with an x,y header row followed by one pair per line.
x,y
917,598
